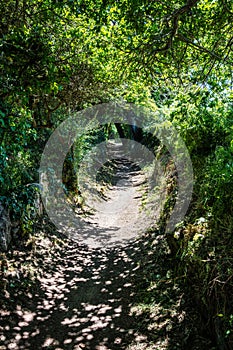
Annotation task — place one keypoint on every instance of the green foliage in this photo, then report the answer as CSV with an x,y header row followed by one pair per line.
x,y
58,57
217,185
204,121
203,242
16,135
170,38
52,62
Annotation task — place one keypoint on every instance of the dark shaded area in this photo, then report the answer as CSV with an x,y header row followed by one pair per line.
x,y
109,172
100,299
133,132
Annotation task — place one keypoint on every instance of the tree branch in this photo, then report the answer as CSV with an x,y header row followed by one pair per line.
x,y
199,47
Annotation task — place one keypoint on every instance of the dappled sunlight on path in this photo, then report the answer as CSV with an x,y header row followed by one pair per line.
x,y
90,299
109,287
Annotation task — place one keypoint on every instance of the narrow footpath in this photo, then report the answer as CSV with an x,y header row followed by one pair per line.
x,y
111,291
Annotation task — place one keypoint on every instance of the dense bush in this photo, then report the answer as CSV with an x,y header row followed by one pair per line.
x,y
203,242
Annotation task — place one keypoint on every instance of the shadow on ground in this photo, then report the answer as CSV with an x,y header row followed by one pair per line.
x,y
82,298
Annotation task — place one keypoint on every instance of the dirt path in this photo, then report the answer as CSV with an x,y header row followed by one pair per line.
x,y
116,291
120,215
83,298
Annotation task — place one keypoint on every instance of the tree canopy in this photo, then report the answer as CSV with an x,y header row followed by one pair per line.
x,y
175,57
169,38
